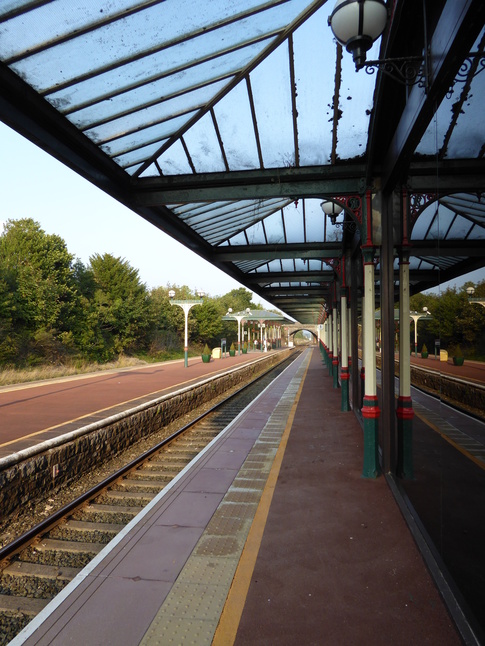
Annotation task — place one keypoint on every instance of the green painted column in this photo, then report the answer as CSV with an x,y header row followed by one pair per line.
x,y
404,412
370,408
344,368
330,343
325,341
362,369
335,346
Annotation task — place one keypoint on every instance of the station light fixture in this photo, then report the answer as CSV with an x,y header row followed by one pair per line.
x,y
332,210
356,24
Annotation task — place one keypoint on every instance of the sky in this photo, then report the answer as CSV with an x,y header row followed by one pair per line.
x,y
35,185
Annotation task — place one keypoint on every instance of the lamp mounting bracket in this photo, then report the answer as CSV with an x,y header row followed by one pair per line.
x,y
407,71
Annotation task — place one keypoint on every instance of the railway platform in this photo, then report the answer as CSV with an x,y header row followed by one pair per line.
x,y
270,536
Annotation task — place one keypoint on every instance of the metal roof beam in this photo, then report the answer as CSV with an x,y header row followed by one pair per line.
x,y
449,176
317,250
288,276
293,305
292,183
444,248
294,291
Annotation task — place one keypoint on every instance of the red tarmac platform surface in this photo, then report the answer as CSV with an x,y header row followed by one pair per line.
x,y
34,412
337,564
328,559
469,371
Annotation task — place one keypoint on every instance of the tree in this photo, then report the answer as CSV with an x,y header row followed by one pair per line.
x,y
239,299
36,270
209,322
454,320
164,334
120,305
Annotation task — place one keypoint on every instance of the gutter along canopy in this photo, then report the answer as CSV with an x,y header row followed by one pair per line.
x,y
226,124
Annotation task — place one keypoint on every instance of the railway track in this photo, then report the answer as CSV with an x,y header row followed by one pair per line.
x,y
36,566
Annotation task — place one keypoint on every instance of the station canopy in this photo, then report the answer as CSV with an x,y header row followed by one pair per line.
x,y
227,123
257,316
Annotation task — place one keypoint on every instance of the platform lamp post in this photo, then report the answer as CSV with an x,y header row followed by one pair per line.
x,y
416,316
186,305
479,301
239,317
261,326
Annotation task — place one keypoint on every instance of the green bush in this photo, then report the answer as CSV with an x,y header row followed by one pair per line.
x,y
457,351
206,350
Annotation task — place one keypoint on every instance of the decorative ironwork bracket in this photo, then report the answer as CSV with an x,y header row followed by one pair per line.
x,y
352,203
417,203
412,70
407,71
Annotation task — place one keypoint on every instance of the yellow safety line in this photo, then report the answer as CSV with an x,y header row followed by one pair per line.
x,y
225,634
480,463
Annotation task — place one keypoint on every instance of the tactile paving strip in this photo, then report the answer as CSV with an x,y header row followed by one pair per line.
x,y
192,610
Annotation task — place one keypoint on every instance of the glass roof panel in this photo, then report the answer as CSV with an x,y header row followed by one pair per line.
x,y
174,160
443,220
300,265
248,265
10,5
465,138
149,94
165,63
460,229
190,213
468,137
233,114
270,83
237,210
316,265
287,264
203,146
314,228
41,25
436,231
161,111
238,239
333,233
356,103
294,223
133,34
255,234
272,265
157,133
217,222
423,222
314,220
472,205
137,156
314,86
274,228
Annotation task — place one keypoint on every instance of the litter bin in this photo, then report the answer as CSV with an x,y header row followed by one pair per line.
x,y
443,355
216,353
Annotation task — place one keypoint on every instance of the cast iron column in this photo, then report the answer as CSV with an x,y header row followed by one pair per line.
x,y
335,346
370,408
344,365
